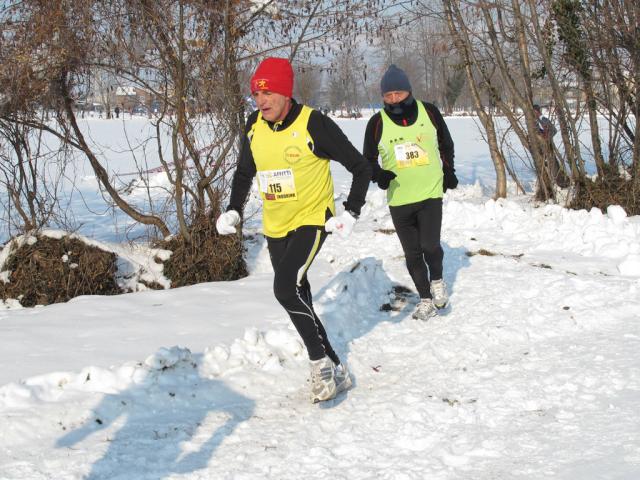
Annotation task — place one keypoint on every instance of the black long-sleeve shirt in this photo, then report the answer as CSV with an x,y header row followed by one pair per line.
x,y
328,142
408,117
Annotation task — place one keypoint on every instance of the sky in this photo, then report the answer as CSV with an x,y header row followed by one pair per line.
x,y
531,372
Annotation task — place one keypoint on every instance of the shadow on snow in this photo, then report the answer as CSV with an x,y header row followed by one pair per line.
x,y
172,423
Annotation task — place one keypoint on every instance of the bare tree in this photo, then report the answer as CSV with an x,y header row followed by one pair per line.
x,y
308,83
474,67
568,16
30,176
347,89
190,55
577,58
507,44
610,28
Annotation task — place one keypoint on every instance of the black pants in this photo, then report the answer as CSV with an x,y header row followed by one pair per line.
x,y
291,257
418,227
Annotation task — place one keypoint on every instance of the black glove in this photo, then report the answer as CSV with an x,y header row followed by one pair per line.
x,y
384,178
450,181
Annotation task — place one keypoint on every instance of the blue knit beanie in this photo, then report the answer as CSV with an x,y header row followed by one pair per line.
x,y
394,79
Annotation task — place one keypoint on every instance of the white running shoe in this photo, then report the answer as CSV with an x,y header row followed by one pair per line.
x,y
343,378
439,292
425,310
323,380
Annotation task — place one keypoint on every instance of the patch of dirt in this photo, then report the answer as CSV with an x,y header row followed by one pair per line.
x,y
53,270
399,298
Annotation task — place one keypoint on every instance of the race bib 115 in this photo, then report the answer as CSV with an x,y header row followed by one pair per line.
x,y
277,185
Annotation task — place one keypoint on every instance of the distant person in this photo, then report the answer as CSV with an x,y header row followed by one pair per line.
x,y
416,150
117,112
547,130
288,146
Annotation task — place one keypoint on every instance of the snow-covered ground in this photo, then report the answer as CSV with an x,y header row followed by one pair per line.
x,y
533,372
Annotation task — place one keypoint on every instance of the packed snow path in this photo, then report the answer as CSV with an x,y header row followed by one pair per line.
x,y
532,372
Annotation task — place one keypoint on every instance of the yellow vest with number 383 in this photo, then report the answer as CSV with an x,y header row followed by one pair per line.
x,y
412,153
295,185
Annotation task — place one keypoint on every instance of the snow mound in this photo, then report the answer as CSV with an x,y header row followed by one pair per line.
x,y
168,358
346,305
551,227
263,350
630,266
60,386
361,289
617,214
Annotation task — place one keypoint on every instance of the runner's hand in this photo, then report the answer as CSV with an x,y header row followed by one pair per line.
x,y
341,224
450,181
384,178
226,223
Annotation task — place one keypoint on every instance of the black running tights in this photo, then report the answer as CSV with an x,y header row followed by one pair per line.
x,y
291,257
418,227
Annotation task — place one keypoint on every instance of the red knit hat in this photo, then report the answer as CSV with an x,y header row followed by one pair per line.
x,y
275,75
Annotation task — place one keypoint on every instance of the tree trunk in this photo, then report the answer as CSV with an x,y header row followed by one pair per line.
x,y
568,129
463,44
101,173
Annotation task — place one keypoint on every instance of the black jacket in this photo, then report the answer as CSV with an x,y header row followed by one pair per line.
x,y
328,142
409,115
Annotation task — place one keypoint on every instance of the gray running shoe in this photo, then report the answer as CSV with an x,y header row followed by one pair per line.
x,y
343,378
323,381
425,310
439,292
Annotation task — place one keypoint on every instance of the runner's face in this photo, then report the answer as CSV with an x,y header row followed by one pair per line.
x,y
274,106
395,96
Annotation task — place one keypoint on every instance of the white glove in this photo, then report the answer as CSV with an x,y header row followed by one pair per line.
x,y
341,224
226,223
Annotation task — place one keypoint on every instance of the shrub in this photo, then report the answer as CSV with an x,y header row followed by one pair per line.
x,y
55,270
610,189
207,257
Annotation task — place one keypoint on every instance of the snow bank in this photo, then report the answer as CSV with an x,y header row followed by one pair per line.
x,y
591,233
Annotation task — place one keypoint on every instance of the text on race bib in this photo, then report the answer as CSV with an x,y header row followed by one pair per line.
x,y
410,155
277,185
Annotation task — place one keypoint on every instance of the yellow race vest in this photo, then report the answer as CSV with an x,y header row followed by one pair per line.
x,y
412,153
295,184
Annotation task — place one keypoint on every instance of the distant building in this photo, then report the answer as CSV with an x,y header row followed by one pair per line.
x,y
129,98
